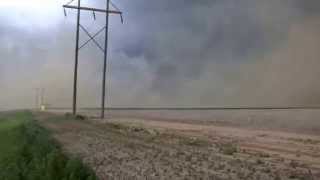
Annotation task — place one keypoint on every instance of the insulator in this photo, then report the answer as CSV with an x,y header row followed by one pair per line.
x,y
94,15
121,18
65,12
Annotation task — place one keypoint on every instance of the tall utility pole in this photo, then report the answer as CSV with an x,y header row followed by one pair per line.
x,y
106,11
75,76
105,63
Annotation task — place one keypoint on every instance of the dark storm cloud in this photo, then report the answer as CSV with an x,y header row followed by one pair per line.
x,y
183,41
180,38
182,52
308,7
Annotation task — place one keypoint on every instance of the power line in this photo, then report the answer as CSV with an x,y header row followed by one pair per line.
x,y
106,11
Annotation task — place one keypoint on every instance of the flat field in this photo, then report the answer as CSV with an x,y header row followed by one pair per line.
x,y
193,145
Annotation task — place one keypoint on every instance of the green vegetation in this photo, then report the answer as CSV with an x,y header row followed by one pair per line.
x,y
9,133
27,152
193,141
228,148
155,136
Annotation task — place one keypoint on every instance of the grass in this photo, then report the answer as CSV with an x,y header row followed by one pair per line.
x,y
9,132
153,136
28,152
305,141
228,148
193,141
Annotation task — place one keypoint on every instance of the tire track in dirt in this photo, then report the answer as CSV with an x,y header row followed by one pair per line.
x,y
140,149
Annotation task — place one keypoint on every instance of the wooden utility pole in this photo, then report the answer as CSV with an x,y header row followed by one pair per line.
x,y
106,11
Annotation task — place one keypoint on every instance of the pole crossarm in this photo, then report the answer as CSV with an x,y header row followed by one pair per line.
x,y
92,9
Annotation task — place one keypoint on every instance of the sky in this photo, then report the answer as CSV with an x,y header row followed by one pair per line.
x,y
167,53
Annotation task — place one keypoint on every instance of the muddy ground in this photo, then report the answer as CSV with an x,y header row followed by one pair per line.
x,y
153,148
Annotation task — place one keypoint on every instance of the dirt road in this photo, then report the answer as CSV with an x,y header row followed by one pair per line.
x,y
135,148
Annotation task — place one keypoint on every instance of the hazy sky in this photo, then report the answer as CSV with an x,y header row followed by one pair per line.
x,y
167,53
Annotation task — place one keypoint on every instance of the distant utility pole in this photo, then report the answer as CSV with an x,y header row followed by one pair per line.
x,y
36,98
106,11
39,97
42,97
